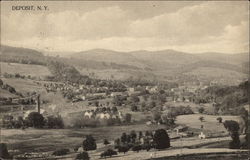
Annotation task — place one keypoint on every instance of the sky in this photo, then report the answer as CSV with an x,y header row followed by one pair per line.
x,y
72,26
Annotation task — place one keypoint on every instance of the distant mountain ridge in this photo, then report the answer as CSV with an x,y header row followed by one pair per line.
x,y
143,63
164,59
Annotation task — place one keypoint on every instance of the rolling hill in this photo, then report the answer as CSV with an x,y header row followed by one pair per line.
x,y
164,63
142,64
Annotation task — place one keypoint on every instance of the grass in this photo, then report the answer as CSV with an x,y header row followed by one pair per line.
x,y
23,85
24,69
210,123
48,140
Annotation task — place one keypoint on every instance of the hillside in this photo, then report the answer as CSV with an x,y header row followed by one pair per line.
x,y
109,56
18,51
24,69
21,55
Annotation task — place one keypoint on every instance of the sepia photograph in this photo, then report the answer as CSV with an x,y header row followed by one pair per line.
x,y
124,80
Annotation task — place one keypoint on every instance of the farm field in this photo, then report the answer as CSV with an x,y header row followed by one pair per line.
x,y
24,69
210,123
42,140
23,85
47,140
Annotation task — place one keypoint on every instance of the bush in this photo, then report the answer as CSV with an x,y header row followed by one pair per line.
x,y
161,139
134,108
55,122
89,143
156,116
82,156
146,146
80,122
201,119
106,142
61,152
108,153
136,148
123,148
219,119
233,128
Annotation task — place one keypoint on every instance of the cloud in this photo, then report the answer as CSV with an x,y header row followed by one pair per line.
x,y
208,26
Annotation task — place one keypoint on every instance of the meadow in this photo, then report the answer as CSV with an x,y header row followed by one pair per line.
x,y
25,69
44,140
210,124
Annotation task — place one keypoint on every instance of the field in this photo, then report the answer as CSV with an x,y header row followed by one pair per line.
x,y
24,69
210,123
23,85
42,140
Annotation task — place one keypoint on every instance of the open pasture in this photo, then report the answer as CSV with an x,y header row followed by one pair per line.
x,y
210,123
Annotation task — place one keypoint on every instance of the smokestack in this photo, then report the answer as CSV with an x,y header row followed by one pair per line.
x,y
38,103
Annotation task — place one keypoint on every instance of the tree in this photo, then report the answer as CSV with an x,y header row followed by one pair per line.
x,y
36,119
143,106
128,118
96,103
140,135
55,122
89,143
117,142
128,139
233,129
4,151
82,156
1,82
135,99
124,138
219,119
134,108
156,116
201,118
123,148
106,142
136,148
161,139
61,152
114,109
133,136
152,104
201,110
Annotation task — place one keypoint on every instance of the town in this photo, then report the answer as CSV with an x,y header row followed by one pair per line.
x,y
124,80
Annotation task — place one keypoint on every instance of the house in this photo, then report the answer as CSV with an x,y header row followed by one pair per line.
x,y
153,89
202,135
103,116
83,98
88,114
148,123
131,89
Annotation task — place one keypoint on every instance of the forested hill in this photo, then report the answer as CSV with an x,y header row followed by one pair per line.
x,y
229,99
21,55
